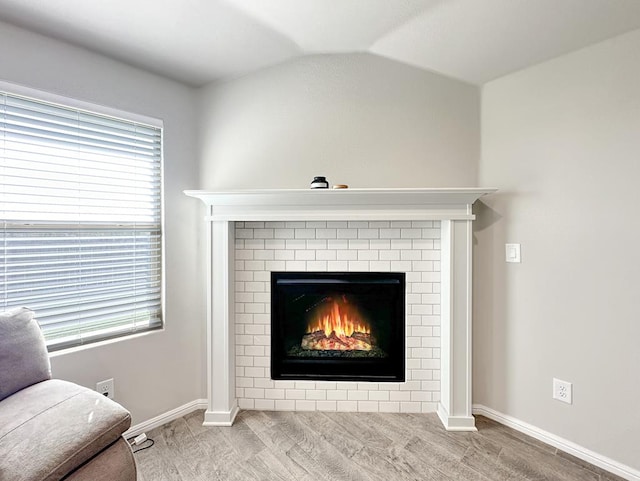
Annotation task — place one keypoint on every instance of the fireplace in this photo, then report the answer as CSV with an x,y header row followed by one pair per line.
x,y
338,326
439,323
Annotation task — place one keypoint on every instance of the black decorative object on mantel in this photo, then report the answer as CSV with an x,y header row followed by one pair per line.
x,y
319,183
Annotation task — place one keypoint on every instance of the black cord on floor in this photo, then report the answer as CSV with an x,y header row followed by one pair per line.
x,y
150,443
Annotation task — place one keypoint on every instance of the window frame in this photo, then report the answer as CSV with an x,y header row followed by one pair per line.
x,y
120,115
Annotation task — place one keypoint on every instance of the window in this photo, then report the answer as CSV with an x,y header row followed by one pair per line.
x,y
80,220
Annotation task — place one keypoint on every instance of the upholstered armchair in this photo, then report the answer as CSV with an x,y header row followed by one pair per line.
x,y
52,429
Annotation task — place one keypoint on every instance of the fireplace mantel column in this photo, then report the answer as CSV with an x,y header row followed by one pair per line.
x,y
221,379
454,408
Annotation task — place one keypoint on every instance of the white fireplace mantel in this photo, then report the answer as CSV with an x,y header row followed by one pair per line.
x,y
341,204
453,207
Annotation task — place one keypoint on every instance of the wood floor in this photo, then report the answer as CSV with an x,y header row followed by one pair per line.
x,y
286,446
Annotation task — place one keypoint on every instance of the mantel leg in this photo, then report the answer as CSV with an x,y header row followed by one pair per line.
x,y
454,408
221,384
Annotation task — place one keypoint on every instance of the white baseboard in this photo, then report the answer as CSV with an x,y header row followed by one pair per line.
x,y
560,443
166,417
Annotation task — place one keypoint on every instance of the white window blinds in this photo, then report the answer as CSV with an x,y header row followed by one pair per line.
x,y
80,220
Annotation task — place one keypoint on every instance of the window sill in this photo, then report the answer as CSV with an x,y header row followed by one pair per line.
x,y
73,350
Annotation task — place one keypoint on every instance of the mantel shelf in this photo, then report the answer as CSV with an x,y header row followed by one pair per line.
x,y
341,204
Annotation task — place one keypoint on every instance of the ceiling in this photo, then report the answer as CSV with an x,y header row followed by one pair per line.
x,y
202,41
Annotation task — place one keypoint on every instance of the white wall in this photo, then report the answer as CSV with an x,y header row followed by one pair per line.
x,y
163,370
357,119
561,141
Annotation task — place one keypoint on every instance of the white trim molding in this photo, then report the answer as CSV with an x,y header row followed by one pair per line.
x,y
451,206
165,418
565,445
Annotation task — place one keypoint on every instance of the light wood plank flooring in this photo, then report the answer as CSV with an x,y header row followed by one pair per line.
x,y
286,446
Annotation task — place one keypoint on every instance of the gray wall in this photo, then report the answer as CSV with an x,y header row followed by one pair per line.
x,y
357,119
561,141
157,372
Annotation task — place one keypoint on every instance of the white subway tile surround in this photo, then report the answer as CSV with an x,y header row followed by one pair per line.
x,y
365,246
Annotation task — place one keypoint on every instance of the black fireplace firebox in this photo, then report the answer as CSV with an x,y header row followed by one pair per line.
x,y
339,326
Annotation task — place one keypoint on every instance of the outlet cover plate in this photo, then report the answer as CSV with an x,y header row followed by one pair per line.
x,y
512,253
562,391
106,388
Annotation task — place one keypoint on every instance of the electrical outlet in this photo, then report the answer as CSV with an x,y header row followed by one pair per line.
x,y
106,388
562,391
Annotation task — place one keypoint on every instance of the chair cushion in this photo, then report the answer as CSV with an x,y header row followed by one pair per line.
x,y
23,354
51,428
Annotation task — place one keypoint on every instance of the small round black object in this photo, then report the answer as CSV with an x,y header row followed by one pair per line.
x,y
319,183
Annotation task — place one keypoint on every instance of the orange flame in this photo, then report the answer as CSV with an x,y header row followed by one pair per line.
x,y
342,319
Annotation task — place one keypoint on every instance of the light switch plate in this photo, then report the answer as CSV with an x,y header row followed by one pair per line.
x,y
512,252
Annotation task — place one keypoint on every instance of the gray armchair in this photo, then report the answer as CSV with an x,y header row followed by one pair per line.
x,y
52,429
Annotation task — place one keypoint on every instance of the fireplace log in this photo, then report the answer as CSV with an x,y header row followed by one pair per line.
x,y
317,340
363,336
312,338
